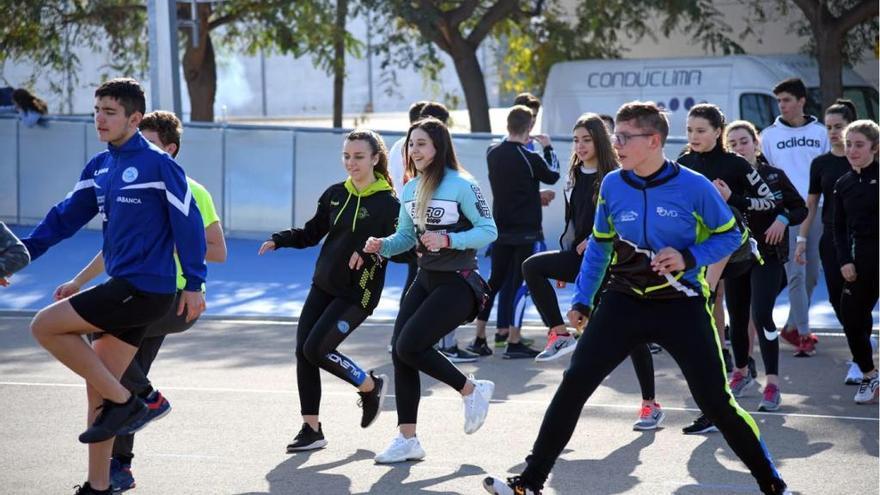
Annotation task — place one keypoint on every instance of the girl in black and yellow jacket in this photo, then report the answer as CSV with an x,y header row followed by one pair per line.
x,y
347,282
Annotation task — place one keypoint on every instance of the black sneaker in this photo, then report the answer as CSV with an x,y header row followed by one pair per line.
x,y
519,351
728,361
371,402
500,339
86,489
480,347
307,439
654,348
699,426
456,354
115,419
753,370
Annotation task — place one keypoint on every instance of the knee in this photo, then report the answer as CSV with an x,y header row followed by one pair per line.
x,y
40,327
404,353
529,269
312,352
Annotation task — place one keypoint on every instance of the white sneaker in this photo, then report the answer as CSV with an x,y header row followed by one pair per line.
x,y
476,405
557,346
868,390
854,375
402,449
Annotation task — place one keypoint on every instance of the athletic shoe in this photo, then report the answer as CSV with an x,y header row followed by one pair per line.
x,y
476,405
519,350
740,384
557,346
86,489
807,346
776,487
650,418
867,393
771,400
728,361
114,419
654,348
157,408
513,486
791,336
307,439
853,375
753,369
458,355
480,347
371,402
121,478
501,340
699,426
402,449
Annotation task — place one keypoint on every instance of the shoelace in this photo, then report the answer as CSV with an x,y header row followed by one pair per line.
x,y
863,387
646,412
770,393
737,380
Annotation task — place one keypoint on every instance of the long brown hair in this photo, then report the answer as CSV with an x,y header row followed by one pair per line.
x,y
606,157
433,173
715,117
377,145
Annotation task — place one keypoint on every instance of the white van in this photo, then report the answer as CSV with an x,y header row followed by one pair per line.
x,y
740,84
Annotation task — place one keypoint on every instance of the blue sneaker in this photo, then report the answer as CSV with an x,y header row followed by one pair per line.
x,y
157,408
121,478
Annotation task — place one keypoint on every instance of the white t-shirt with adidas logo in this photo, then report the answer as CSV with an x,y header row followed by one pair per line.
x,y
793,149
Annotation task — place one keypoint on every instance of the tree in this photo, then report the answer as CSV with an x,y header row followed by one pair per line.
x,y
457,28
841,31
39,31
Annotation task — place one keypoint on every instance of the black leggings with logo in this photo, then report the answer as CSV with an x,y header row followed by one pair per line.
x,y
325,321
685,329
435,304
755,289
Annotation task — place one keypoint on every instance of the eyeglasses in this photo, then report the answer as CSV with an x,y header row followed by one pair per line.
x,y
621,139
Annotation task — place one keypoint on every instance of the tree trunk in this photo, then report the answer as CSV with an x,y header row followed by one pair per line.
x,y
473,83
339,61
200,70
829,46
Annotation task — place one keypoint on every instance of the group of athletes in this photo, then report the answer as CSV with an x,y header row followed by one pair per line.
x,y
653,246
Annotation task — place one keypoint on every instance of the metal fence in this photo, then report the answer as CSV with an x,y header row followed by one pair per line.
x,y
263,178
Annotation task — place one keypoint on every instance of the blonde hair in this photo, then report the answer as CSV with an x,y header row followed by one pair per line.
x,y
867,128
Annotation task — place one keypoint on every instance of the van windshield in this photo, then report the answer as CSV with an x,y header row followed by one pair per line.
x,y
864,98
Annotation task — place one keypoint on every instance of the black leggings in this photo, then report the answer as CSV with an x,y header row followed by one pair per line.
x,y
756,289
684,328
833,277
325,321
858,300
435,304
539,269
504,280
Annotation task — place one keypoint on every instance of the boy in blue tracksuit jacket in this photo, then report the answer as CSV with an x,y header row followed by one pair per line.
x,y
148,212
658,226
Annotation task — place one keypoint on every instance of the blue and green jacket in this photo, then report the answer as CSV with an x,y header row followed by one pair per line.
x,y
636,217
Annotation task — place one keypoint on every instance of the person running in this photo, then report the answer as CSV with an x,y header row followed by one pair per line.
x,y
592,158
658,225
758,287
445,215
515,175
791,143
347,282
147,210
13,255
744,190
856,241
825,170
164,130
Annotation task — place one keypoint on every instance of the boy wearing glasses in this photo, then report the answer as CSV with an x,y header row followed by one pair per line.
x,y
662,224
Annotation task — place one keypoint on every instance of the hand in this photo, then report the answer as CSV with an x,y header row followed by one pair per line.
x,y
560,284
434,241
373,245
581,247
4,282
668,260
193,302
356,262
849,272
547,196
543,139
66,290
266,247
773,235
576,319
722,188
799,251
